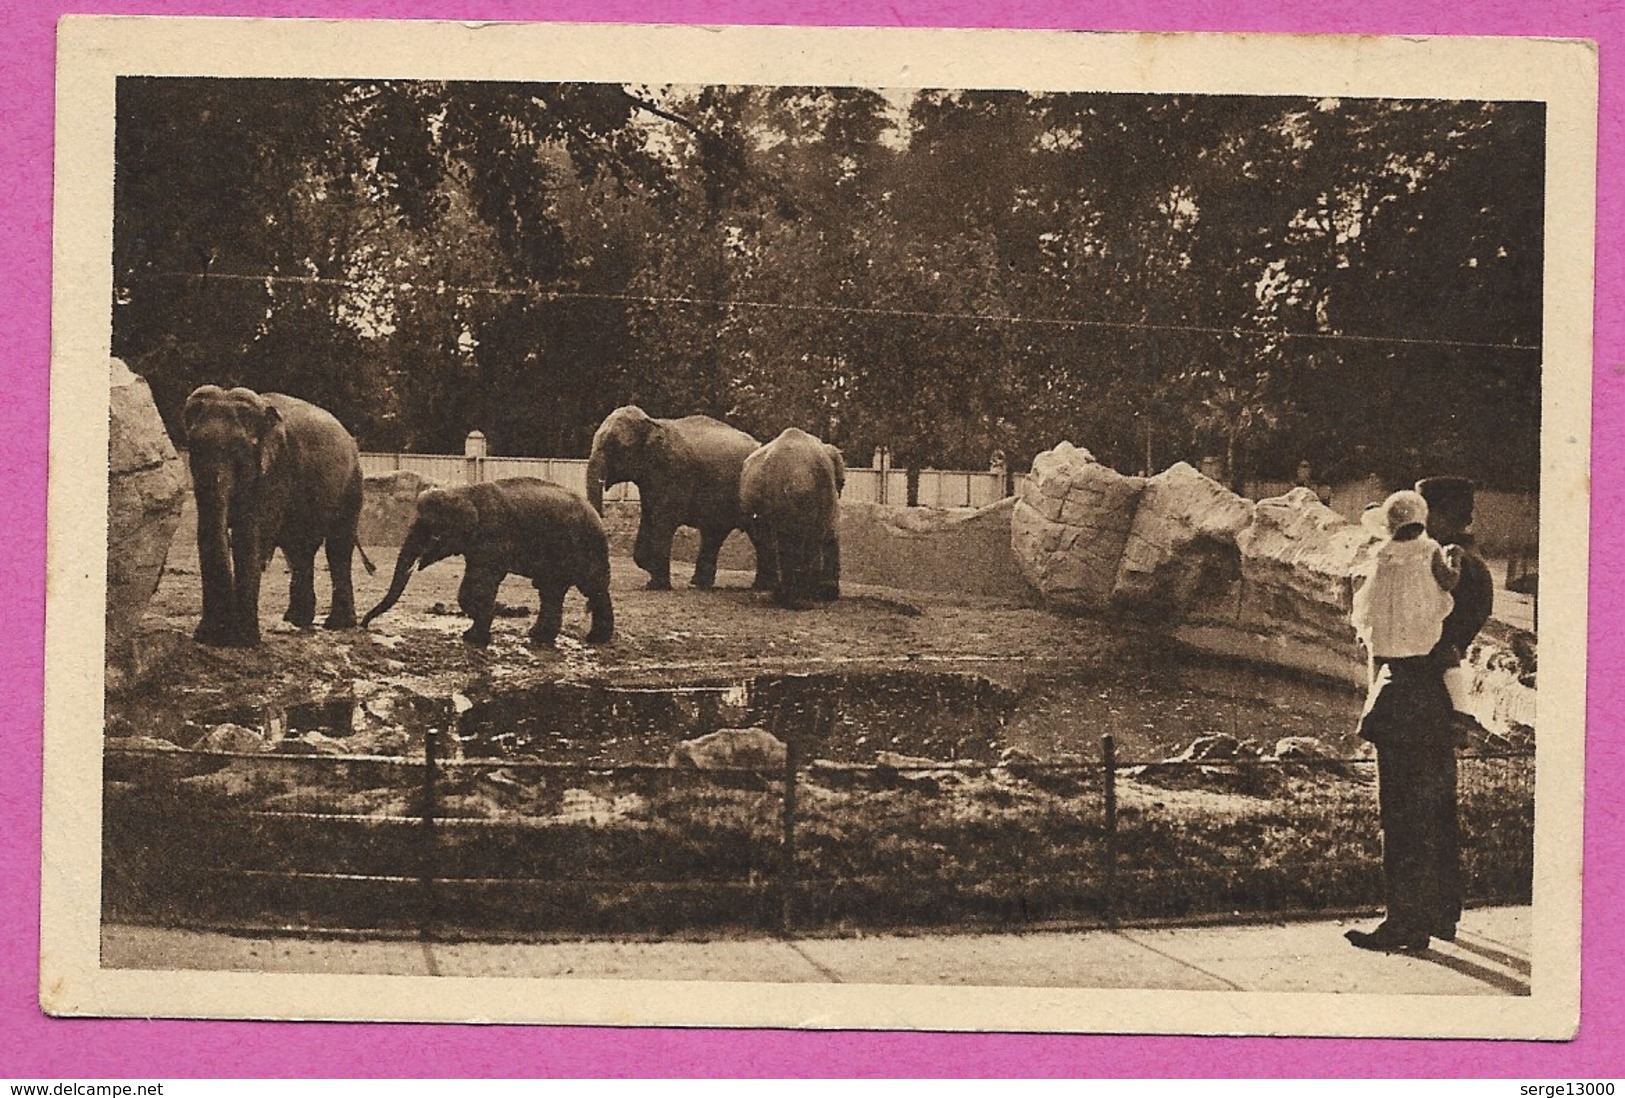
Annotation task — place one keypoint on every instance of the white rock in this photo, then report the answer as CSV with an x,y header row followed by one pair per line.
x,y
1182,544
1300,747
1070,525
732,748
231,737
581,806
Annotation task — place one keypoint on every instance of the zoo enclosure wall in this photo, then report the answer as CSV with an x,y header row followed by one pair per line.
x,y
938,487
1505,523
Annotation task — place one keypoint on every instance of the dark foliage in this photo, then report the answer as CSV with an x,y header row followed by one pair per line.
x,y
1267,280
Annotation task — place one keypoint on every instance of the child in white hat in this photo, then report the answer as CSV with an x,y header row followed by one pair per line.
x,y
1399,610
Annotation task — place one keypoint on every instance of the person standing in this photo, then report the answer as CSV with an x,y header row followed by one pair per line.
x,y
1399,614
1450,520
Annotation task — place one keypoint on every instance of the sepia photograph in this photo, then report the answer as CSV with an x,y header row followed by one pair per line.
x,y
941,530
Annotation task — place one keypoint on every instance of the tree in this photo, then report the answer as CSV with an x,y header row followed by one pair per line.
x,y
943,273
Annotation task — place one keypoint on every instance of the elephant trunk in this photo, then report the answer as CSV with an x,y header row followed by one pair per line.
x,y
410,551
213,492
597,469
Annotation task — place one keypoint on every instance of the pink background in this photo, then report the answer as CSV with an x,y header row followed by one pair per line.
x,y
36,1046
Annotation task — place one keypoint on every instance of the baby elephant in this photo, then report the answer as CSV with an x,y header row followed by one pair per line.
x,y
521,525
790,494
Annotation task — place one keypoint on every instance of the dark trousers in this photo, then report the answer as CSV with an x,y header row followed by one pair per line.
x,y
1421,845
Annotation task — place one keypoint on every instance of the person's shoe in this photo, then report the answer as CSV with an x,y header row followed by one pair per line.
x,y
1445,932
1388,939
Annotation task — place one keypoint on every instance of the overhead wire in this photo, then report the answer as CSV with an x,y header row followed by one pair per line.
x,y
1236,331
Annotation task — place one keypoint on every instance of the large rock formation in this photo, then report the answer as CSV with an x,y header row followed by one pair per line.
x,y
1181,548
1269,582
1070,525
145,491
1289,605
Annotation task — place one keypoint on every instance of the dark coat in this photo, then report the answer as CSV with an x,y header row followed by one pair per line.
x,y
1475,598
1413,708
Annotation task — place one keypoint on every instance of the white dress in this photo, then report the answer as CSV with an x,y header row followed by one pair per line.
x,y
1399,610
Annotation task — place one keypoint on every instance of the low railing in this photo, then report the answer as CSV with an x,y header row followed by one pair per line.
x,y
470,847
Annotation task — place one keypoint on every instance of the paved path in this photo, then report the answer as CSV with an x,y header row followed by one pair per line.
x,y
1490,956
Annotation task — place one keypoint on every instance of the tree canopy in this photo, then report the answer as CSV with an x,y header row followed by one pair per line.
x,y
1355,283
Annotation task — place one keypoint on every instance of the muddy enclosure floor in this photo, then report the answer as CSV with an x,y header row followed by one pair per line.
x,y
1079,676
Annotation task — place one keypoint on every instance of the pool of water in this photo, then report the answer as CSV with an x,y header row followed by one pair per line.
x,y
848,716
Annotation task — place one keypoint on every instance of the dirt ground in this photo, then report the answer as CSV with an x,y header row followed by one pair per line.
x,y
660,636
1157,700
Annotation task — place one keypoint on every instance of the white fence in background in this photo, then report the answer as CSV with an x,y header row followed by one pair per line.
x,y
1505,523
938,488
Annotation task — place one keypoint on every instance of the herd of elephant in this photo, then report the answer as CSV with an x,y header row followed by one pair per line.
x,y
275,472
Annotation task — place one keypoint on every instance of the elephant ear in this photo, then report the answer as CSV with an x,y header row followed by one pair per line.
x,y
272,437
658,444
462,514
839,462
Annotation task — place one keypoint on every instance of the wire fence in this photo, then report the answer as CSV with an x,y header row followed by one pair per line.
x,y
451,847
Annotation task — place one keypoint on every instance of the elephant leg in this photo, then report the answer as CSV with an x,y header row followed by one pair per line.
x,y
705,565
550,615
784,587
340,556
797,571
215,633
828,588
767,560
301,586
219,597
467,597
477,596
603,614
219,600
652,551
248,562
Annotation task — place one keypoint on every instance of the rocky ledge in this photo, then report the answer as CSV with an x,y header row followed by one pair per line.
x,y
1268,582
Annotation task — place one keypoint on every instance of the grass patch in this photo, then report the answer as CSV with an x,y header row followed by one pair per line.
x,y
339,846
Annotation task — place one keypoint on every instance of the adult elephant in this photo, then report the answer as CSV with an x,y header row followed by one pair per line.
x,y
517,525
687,473
790,492
269,472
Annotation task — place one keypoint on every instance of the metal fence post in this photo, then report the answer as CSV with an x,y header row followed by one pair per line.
x,y
787,869
426,867
1108,762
